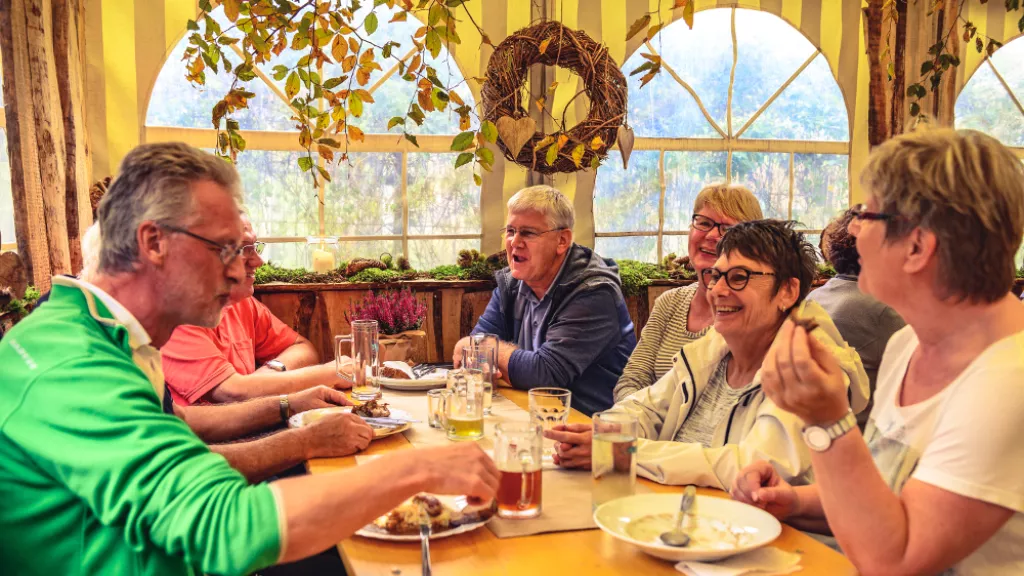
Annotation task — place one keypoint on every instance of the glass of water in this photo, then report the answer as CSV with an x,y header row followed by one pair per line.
x,y
482,358
613,456
364,347
549,407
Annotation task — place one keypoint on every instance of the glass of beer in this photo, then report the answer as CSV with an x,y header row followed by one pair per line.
x,y
464,411
517,453
549,407
613,456
365,365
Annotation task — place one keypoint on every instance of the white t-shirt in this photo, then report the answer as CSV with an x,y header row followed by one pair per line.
x,y
967,439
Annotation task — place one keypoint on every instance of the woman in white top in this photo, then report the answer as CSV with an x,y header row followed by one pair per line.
x,y
682,315
937,481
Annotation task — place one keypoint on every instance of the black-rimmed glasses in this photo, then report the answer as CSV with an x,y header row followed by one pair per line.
x,y
226,252
526,234
705,224
736,278
861,212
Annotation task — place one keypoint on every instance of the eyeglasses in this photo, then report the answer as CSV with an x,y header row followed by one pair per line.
x,y
226,252
736,278
861,212
526,234
705,224
255,247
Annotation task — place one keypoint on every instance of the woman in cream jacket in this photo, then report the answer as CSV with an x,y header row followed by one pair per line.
x,y
708,417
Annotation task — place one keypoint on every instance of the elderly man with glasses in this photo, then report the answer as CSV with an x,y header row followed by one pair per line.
x,y
97,478
558,308
250,354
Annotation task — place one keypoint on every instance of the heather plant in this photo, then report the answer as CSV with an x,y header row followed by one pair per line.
x,y
394,310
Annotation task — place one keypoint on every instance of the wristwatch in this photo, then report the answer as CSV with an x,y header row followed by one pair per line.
x,y
285,408
276,365
820,438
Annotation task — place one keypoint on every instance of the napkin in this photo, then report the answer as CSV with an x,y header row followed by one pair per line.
x,y
760,562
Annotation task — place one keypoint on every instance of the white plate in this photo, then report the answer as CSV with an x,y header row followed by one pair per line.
x,y
758,527
454,502
379,431
436,379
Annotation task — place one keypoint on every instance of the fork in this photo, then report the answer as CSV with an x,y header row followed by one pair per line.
x,y
425,540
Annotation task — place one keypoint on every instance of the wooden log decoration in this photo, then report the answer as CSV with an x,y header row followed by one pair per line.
x,y
569,150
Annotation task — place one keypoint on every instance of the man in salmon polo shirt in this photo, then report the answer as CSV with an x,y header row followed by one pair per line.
x,y
250,354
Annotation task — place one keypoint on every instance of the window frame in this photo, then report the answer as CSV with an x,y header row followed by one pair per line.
x,y
730,141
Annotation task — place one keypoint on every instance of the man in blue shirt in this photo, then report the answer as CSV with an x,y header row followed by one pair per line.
x,y
558,308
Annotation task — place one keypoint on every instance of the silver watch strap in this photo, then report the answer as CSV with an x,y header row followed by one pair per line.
x,y
844,425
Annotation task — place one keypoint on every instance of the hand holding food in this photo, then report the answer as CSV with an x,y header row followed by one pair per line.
x,y
335,435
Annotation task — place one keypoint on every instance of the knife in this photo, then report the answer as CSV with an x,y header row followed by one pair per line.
x,y
388,421
425,540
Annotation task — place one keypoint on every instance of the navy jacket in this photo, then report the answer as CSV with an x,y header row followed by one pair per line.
x,y
587,333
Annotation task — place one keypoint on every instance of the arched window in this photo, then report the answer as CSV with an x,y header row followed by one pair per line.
x,y
992,101
743,97
388,197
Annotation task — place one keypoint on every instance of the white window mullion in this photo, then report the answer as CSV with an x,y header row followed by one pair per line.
x,y
405,204
789,210
661,202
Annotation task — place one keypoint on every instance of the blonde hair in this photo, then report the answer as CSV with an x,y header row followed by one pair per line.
x,y
964,187
733,201
546,200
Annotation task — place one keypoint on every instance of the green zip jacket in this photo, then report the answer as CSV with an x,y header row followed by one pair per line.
x,y
94,477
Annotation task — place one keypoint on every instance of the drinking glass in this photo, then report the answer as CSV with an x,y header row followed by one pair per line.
x,y
365,366
464,411
613,456
483,358
517,453
548,408
437,402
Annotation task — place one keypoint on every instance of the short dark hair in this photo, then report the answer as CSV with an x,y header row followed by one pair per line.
x,y
777,244
840,247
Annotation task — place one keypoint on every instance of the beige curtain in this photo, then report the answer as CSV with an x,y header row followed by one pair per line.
x,y
42,44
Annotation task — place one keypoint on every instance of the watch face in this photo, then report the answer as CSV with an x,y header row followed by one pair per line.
x,y
817,438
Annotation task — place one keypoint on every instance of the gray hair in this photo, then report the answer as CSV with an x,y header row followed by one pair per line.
x,y
546,200
155,184
91,243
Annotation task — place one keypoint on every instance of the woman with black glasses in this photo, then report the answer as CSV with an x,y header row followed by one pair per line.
x,y
682,315
708,417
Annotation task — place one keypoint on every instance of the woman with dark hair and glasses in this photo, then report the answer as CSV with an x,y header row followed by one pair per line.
x,y
707,417
682,315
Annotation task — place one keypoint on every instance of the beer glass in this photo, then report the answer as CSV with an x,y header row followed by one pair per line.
x,y
482,354
365,365
548,408
517,453
613,456
437,402
464,411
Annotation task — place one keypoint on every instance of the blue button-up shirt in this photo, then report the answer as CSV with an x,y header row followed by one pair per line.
x,y
531,311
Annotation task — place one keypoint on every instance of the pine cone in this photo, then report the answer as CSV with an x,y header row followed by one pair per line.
x,y
684,262
359,264
465,259
387,260
96,192
403,263
498,260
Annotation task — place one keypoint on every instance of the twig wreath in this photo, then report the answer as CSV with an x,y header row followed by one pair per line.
x,y
582,146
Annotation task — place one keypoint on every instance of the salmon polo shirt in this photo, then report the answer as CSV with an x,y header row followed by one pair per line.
x,y
196,360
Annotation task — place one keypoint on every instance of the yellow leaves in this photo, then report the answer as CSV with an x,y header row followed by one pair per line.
x,y
355,105
353,46
545,141
688,9
355,134
562,139
464,123
577,154
456,98
348,63
305,139
325,152
363,75
553,86
423,84
655,29
540,103
552,155
231,9
544,45
339,48
399,17
291,86
639,25
597,143
414,66
365,96
366,57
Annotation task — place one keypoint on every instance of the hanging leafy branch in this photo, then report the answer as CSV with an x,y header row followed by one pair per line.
x,y
653,64
944,58
326,110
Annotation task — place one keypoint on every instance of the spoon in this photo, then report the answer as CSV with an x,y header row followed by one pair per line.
x,y
679,537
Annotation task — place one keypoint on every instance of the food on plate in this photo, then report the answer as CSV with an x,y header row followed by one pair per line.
x,y
372,409
405,519
393,373
709,533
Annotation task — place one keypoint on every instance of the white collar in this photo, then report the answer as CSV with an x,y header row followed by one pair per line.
x,y
137,335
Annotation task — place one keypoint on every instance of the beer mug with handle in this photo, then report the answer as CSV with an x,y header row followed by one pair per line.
x,y
517,453
365,365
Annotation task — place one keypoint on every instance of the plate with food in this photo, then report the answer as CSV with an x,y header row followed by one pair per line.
x,y
398,375
718,527
371,409
449,515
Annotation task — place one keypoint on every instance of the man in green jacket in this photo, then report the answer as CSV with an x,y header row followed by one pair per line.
x,y
95,478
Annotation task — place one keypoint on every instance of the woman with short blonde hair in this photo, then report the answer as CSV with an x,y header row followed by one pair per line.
x,y
683,314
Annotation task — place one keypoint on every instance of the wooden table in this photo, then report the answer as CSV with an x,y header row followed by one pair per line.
x,y
590,552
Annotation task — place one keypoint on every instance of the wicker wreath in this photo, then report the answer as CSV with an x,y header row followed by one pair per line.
x,y
603,82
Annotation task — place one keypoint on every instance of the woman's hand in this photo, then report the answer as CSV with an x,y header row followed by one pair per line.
x,y
573,442
802,377
760,485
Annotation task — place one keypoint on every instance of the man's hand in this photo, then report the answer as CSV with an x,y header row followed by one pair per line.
x,y
457,469
573,445
317,397
760,485
457,354
336,435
